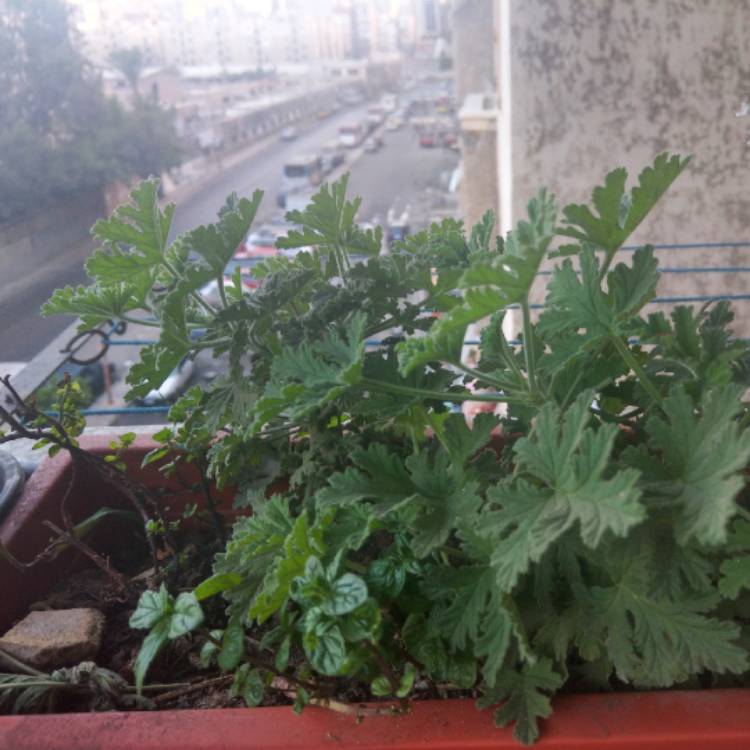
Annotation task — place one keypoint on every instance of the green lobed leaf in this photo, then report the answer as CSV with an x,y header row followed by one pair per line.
x,y
491,284
562,470
619,213
524,693
700,471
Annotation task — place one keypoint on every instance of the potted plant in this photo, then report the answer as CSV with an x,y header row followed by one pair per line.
x,y
596,547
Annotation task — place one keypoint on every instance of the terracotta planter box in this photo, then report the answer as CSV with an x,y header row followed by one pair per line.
x,y
666,720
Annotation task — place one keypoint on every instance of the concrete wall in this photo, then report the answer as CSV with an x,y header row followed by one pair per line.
x,y
473,36
473,40
602,83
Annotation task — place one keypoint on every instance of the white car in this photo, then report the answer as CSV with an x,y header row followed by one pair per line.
x,y
175,384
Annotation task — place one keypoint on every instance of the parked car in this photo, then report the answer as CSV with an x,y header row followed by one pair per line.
x,y
288,134
175,384
449,139
427,140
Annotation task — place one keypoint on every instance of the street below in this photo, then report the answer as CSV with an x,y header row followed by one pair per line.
x,y
400,173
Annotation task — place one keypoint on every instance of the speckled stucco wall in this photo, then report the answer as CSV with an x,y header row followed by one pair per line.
x,y
603,83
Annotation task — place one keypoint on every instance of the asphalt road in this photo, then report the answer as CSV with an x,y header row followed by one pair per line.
x,y
399,172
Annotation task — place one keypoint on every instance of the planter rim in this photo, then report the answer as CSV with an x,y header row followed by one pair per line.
x,y
665,720
659,720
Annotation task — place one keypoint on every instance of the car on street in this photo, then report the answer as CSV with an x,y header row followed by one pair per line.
x,y
288,133
372,144
331,156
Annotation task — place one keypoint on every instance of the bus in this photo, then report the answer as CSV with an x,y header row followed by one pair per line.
x,y
351,135
299,173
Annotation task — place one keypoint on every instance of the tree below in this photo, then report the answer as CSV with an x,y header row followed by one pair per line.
x,y
59,134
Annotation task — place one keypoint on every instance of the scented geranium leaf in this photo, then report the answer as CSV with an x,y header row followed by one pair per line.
x,y
696,346
618,213
562,468
440,346
217,243
480,240
381,476
133,238
95,304
735,575
630,287
470,609
306,377
735,571
579,303
304,541
151,370
255,544
524,694
438,516
443,498
657,642
491,285
328,224
461,441
352,527
701,457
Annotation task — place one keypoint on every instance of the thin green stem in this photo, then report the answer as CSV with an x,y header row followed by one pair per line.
x,y
403,390
528,347
510,356
745,420
222,291
138,322
477,375
176,275
640,373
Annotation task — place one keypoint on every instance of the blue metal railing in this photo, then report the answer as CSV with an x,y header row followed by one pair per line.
x,y
665,300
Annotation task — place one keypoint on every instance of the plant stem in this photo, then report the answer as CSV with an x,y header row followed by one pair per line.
x,y
19,665
640,373
403,390
477,375
138,322
528,347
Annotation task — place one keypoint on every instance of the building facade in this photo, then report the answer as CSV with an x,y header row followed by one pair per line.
x,y
583,86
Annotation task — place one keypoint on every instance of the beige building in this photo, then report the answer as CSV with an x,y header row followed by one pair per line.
x,y
578,87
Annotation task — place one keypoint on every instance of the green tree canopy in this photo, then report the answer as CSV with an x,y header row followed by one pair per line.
x,y
59,134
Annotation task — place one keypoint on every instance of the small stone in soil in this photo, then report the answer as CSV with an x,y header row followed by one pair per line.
x,y
55,638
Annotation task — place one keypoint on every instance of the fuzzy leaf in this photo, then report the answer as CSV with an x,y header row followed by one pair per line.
x,y
619,214
492,284
700,471
566,463
133,238
525,696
